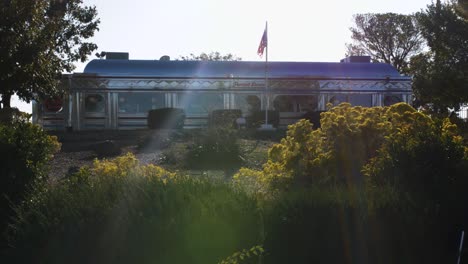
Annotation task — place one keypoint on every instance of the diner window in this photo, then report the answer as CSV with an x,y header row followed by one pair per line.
x,y
140,102
54,105
306,103
295,103
95,103
361,100
247,103
283,103
200,103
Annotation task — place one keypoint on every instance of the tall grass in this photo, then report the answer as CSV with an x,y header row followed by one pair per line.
x,y
120,212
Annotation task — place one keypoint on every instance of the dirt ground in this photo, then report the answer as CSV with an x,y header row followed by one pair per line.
x,y
63,161
76,150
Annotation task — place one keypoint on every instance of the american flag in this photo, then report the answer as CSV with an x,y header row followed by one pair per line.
x,y
263,43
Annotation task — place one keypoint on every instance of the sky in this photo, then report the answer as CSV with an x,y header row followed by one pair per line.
x,y
298,30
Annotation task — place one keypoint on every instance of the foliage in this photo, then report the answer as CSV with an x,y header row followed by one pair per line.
x,y
174,156
38,41
372,185
427,160
409,207
215,148
118,211
462,8
252,182
335,153
309,220
8,115
25,150
224,117
440,74
313,117
336,225
390,38
243,255
212,56
166,118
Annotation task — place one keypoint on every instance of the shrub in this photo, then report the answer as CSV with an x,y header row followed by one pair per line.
x,y
224,117
120,212
25,150
335,225
8,115
166,118
316,225
348,139
426,160
215,148
252,182
385,185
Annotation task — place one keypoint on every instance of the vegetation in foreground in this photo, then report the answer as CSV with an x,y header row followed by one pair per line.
x,y
120,212
372,185
25,150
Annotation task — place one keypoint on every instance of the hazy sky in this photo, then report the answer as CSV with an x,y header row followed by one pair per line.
x,y
298,30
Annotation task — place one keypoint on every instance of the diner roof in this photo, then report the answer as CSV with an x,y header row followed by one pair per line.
x,y
240,69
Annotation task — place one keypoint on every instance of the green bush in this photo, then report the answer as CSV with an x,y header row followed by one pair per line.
x,y
336,225
120,212
215,148
377,185
8,115
426,160
336,153
25,150
224,117
166,118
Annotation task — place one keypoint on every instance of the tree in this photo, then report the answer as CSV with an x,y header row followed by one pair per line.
x,y
462,7
440,75
38,41
390,38
213,56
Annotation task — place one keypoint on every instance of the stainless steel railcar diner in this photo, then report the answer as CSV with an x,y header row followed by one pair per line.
x,y
116,94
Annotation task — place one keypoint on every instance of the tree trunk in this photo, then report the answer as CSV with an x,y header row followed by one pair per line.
x,y
6,100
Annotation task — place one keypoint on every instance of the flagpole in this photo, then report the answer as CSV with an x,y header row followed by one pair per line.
x,y
266,78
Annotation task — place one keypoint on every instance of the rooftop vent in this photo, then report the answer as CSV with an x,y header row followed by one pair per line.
x,y
356,59
114,55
